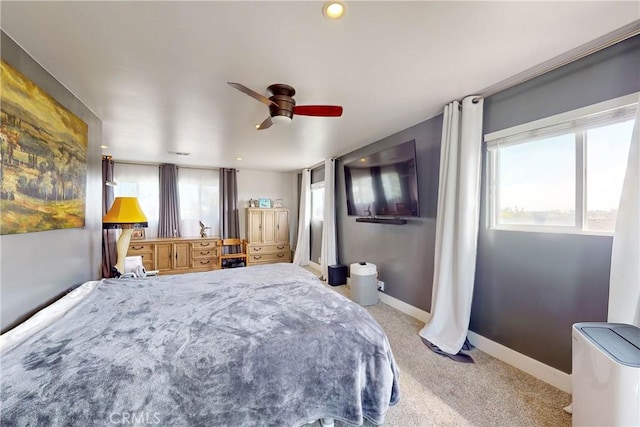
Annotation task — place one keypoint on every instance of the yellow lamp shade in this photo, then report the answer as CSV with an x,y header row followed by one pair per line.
x,y
124,213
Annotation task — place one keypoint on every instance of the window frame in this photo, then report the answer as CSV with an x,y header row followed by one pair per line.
x,y
576,122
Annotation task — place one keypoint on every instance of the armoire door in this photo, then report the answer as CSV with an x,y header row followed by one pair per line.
x,y
282,226
268,226
255,226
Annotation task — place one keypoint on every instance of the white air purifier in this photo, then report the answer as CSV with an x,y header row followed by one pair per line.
x,y
605,374
364,283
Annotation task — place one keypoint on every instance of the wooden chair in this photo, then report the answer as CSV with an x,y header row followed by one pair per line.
x,y
233,249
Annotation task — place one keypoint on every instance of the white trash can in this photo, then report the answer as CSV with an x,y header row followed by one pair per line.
x,y
364,283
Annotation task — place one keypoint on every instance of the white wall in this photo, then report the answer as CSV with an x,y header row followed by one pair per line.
x,y
268,185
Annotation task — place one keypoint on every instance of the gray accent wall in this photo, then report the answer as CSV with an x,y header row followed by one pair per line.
x,y
403,254
531,287
36,267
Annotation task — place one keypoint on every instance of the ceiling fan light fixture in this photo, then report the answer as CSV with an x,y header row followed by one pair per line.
x,y
334,9
281,120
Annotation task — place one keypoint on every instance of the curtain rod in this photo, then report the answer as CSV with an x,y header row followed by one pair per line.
x,y
614,37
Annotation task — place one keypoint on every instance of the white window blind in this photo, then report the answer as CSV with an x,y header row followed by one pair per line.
x,y
580,124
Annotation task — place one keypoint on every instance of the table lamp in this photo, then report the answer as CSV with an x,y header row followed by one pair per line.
x,y
125,213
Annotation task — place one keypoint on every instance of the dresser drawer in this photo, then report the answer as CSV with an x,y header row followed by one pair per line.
x,y
204,263
268,249
204,253
139,249
272,257
204,245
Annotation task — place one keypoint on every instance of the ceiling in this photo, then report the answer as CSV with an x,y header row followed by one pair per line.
x,y
156,73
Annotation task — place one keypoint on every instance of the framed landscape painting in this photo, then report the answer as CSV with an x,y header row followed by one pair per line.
x,y
43,159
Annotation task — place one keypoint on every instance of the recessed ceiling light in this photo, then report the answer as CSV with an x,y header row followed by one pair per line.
x,y
334,9
103,147
179,153
238,158
363,160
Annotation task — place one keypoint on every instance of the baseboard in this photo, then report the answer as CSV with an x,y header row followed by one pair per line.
x,y
546,373
539,370
412,311
315,265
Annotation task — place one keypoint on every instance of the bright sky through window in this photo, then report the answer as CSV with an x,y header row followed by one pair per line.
x,y
564,175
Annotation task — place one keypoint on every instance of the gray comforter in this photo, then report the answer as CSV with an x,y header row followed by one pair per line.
x,y
255,346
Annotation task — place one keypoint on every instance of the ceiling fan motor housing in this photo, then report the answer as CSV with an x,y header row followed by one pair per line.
x,y
282,95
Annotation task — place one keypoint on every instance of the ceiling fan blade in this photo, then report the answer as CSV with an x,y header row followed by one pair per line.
x,y
252,93
318,110
266,124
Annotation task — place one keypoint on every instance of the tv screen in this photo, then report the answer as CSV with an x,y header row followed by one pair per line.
x,y
384,183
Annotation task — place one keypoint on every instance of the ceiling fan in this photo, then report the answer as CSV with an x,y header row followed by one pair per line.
x,y
282,106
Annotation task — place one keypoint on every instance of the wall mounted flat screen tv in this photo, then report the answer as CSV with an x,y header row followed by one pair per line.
x,y
384,184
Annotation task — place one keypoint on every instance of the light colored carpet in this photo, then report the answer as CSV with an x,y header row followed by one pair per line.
x,y
436,391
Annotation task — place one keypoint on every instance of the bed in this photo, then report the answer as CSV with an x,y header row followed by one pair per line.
x,y
264,345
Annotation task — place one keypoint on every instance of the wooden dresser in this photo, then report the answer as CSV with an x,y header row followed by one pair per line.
x,y
177,255
268,236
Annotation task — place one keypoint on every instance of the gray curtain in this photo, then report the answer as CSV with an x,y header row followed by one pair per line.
x,y
108,236
229,218
169,214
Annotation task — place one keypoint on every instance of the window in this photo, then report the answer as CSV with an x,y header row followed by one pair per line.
x,y
199,192
317,201
564,173
141,181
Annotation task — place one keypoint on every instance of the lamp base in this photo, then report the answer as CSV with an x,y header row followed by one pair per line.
x,y
122,246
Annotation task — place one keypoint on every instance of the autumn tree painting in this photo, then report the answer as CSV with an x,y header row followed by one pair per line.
x,y
43,158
